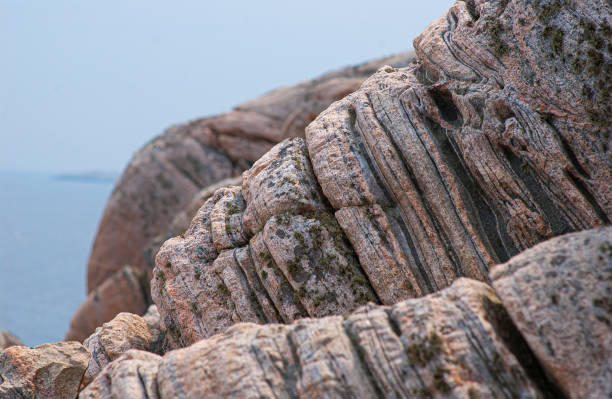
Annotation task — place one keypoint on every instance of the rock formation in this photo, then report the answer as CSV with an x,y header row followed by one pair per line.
x,y
125,332
49,371
559,294
128,287
7,340
132,375
164,176
458,342
433,171
337,264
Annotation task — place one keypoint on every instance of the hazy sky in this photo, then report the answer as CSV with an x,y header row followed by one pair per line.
x,y
84,84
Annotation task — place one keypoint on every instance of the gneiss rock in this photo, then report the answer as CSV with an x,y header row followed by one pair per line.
x,y
7,339
127,287
456,343
434,171
559,294
182,219
49,371
132,375
449,166
270,251
164,175
126,331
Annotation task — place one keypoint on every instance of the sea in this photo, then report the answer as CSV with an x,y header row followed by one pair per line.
x,y
47,226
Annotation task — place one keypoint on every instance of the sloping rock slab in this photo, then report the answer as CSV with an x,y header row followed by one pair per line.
x,y
559,294
456,343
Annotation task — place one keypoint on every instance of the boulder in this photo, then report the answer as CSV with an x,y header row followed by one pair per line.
x,y
7,340
126,331
49,371
127,287
559,294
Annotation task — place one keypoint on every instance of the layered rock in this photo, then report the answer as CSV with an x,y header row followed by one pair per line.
x,y
7,340
270,251
164,175
132,375
49,371
456,343
126,288
559,294
433,171
125,332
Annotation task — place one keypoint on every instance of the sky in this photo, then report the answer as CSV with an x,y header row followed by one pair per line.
x,y
84,84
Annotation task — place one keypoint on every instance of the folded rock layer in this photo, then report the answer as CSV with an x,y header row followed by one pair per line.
x,y
458,342
425,174
163,177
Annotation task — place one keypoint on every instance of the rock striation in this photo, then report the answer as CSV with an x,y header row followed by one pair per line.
x,y
125,332
165,174
49,371
458,342
425,174
559,294
132,375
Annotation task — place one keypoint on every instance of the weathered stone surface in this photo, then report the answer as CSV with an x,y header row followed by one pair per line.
x,y
270,251
433,171
132,375
126,331
456,343
7,340
458,162
559,294
164,176
49,371
182,219
127,287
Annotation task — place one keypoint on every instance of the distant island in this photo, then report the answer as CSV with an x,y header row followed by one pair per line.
x,y
90,177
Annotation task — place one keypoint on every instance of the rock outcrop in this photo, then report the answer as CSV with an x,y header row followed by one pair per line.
x,y
132,375
559,294
125,332
425,174
164,175
7,340
49,371
457,343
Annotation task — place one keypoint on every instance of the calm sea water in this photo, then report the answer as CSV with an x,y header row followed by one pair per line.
x,y
47,227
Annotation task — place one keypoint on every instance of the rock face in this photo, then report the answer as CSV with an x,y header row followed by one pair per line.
x,y
126,331
559,294
7,340
164,176
495,139
132,375
49,371
456,343
270,251
127,287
